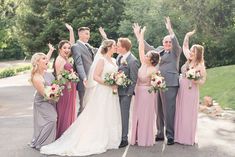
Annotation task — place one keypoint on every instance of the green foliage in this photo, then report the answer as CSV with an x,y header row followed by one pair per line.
x,y
220,86
44,21
29,25
12,71
214,21
7,73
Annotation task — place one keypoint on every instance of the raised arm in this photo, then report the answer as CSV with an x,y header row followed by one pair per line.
x,y
103,33
71,33
186,43
51,50
175,44
139,33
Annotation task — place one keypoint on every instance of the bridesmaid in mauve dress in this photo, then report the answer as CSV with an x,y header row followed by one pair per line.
x,y
44,111
66,106
187,100
144,103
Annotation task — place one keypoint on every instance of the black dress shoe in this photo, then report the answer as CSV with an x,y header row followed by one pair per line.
x,y
159,139
170,141
123,144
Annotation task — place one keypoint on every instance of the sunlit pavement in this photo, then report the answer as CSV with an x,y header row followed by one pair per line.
x,y
216,137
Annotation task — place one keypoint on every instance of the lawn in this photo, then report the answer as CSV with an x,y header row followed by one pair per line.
x,y
220,85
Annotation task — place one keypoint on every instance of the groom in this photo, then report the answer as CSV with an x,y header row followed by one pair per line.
x,y
83,55
129,65
169,66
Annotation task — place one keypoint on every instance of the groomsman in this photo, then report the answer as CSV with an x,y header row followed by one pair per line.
x,y
83,54
127,63
169,66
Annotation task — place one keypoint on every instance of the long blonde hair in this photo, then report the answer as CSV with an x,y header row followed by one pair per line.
x,y
35,58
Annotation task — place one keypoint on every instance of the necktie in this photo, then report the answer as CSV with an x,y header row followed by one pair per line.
x,y
119,60
90,50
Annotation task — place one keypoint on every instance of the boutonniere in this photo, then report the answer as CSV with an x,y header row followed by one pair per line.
x,y
124,63
70,60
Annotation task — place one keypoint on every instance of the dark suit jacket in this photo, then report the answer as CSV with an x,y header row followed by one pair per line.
x,y
169,64
82,60
131,71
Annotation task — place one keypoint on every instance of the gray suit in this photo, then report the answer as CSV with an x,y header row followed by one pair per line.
x,y
125,93
169,67
83,59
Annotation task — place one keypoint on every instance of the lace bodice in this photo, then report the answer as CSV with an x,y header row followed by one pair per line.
x,y
109,67
143,78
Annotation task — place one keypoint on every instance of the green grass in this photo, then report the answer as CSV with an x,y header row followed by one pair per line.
x,y
220,85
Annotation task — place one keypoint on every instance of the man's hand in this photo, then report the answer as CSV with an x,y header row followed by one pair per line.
x,y
102,33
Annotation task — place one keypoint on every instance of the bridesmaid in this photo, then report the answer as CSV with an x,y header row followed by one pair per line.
x,y
66,106
44,111
144,104
187,101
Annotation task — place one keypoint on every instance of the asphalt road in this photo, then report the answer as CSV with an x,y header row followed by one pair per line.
x,y
216,137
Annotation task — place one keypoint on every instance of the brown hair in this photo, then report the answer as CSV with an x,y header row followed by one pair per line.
x,y
154,58
83,29
62,42
106,44
125,43
199,53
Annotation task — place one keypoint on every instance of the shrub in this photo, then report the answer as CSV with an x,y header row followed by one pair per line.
x,y
7,73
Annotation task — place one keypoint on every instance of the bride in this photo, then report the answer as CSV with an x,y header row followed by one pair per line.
x,y
98,128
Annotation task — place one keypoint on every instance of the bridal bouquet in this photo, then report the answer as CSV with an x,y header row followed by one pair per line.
x,y
157,83
116,78
67,76
193,74
110,79
53,92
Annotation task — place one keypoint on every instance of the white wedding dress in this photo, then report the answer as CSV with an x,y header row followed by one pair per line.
x,y
98,127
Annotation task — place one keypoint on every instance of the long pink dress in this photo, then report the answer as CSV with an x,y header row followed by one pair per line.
x,y
186,113
66,107
143,111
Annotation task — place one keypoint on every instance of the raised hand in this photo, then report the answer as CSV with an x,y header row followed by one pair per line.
x,y
136,29
102,33
168,25
143,30
191,33
51,47
69,27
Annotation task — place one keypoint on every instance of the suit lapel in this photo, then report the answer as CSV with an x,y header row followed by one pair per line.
x,y
84,48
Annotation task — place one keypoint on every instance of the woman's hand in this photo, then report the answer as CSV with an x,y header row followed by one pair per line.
x,y
51,47
69,27
191,33
136,29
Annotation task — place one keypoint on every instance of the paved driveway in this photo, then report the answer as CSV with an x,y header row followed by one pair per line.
x,y
216,137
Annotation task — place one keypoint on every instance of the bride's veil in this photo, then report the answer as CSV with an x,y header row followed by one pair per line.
x,y
91,83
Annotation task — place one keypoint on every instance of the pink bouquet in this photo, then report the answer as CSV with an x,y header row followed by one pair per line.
x,y
157,83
